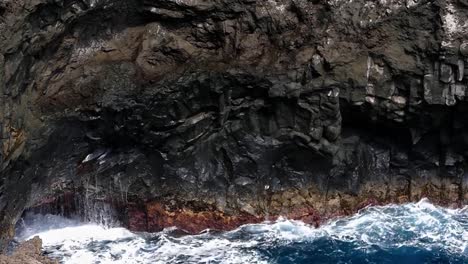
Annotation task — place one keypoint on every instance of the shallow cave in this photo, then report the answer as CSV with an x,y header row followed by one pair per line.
x,y
215,114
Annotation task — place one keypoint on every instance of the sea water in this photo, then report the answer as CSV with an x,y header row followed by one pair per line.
x,y
412,233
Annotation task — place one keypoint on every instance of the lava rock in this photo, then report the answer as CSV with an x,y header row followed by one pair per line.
x,y
193,111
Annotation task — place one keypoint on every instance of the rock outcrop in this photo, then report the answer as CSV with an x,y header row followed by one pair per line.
x,y
29,252
215,113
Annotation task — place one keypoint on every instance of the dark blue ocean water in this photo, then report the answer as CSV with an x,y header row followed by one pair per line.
x,y
412,233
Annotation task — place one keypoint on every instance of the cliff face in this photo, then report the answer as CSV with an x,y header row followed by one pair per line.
x,y
215,113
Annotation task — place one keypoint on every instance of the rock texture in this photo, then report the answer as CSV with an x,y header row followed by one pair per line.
x,y
28,252
215,113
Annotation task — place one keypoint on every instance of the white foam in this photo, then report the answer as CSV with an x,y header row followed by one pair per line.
x,y
420,225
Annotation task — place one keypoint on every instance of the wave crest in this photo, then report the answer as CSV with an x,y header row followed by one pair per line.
x,y
412,233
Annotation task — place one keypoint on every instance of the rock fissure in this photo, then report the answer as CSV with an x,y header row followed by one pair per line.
x,y
213,114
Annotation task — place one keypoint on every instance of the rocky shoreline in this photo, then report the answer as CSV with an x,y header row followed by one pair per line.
x,y
212,114
28,252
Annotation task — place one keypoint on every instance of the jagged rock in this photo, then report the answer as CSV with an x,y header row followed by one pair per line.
x,y
217,113
464,49
446,73
459,91
29,252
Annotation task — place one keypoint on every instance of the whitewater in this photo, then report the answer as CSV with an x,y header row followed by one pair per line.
x,y
411,233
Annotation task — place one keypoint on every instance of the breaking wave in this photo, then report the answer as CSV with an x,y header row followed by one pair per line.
x,y
411,233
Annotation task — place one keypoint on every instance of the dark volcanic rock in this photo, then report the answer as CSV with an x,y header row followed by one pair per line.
x,y
217,113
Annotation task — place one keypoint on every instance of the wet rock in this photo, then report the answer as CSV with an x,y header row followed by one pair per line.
x,y
28,252
461,70
464,49
446,73
182,112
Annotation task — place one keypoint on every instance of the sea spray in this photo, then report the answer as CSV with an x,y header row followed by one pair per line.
x,y
411,233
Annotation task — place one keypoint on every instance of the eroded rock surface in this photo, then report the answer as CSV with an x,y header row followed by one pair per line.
x,y
29,252
215,113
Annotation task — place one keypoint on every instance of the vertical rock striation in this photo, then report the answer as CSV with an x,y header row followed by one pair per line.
x,y
211,114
